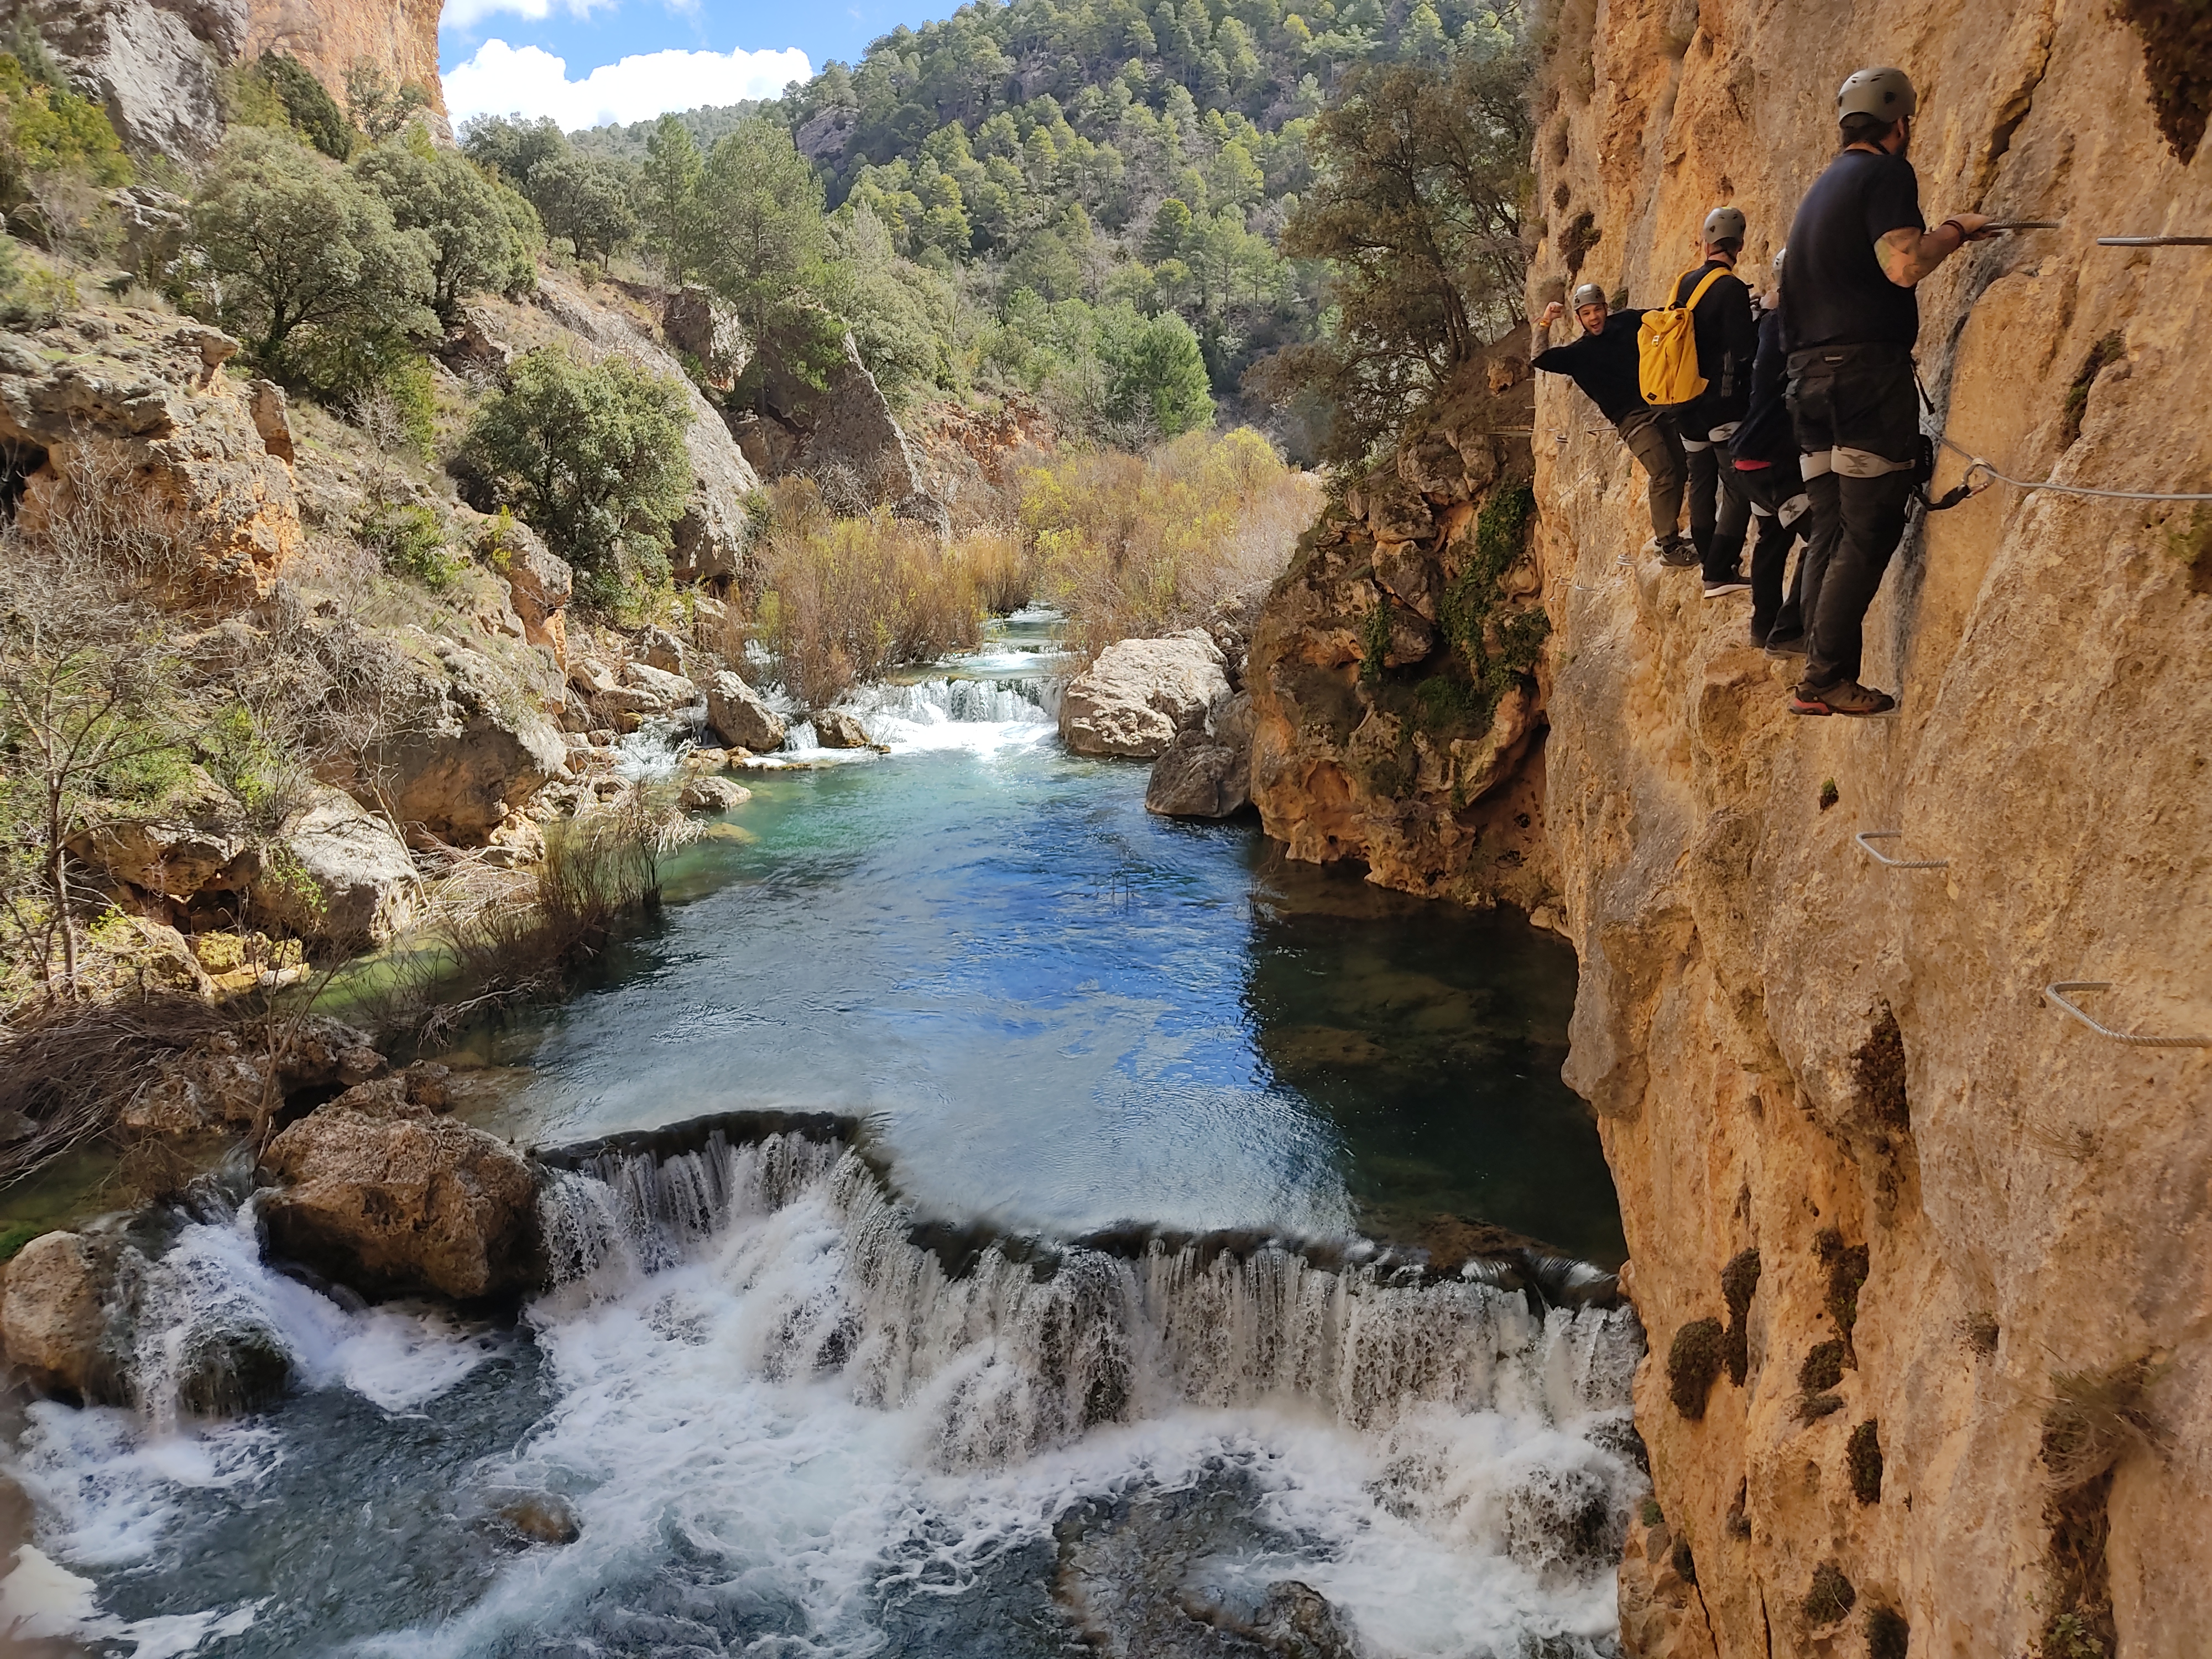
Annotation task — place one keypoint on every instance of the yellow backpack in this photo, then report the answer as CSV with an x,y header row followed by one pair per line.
x,y
1667,349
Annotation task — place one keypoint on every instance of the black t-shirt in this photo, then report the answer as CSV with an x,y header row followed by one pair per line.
x,y
1604,365
1834,292
1728,340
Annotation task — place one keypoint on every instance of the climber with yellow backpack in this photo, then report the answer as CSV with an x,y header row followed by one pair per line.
x,y
1693,358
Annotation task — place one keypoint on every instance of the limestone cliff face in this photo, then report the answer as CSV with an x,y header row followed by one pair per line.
x,y
1396,703
400,37
1974,1411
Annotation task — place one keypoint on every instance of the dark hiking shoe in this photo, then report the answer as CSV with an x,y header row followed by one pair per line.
x,y
1804,700
1680,553
1783,644
1850,697
1728,584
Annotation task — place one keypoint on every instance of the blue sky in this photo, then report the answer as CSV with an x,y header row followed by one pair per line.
x,y
540,56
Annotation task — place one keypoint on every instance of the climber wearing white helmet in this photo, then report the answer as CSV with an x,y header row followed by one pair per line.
x,y
1858,246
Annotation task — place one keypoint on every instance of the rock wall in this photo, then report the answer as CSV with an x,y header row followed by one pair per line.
x,y
1378,734
1959,1401
400,37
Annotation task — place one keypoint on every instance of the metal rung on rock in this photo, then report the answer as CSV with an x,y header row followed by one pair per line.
x,y
2052,993
1866,836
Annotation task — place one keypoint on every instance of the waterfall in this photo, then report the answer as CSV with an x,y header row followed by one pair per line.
x,y
1024,1343
655,750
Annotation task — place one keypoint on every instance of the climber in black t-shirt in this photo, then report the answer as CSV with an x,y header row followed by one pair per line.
x,y
1857,247
1603,363
1728,340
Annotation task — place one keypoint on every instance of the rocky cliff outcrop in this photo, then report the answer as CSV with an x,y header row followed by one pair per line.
x,y
396,38
1923,1259
712,535
156,64
139,408
1395,672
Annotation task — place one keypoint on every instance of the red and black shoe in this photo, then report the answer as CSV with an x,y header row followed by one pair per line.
x,y
1804,700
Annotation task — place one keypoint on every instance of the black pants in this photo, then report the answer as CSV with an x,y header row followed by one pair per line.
x,y
1650,436
1706,426
1775,498
1859,428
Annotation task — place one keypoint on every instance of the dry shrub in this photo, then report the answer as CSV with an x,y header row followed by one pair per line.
x,y
67,1067
1831,1596
842,600
1134,546
2093,1417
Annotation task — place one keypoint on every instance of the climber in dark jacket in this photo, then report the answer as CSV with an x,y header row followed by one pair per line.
x,y
1603,363
1763,477
1728,340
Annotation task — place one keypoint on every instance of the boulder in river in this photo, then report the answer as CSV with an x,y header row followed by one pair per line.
x,y
1207,772
52,1315
739,716
386,1196
712,795
835,729
1139,693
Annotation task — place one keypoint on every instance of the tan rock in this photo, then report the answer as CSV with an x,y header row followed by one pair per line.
x,y
835,729
397,37
1138,694
343,878
382,1195
672,689
1207,772
477,747
126,402
712,795
736,713
539,586
50,1313
228,1082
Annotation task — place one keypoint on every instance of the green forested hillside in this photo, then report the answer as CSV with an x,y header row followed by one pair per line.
x,y
1084,200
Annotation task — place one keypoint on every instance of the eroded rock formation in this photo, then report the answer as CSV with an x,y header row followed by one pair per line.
x,y
1139,693
1961,1396
1395,672
139,408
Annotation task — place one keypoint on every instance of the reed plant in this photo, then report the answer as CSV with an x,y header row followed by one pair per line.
x,y
1129,546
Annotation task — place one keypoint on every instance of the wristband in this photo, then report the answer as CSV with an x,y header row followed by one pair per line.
x,y
1963,237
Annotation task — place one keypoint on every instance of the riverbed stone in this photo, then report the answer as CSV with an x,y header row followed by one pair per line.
x,y
1207,772
386,1196
712,795
835,729
1139,693
739,718
50,1313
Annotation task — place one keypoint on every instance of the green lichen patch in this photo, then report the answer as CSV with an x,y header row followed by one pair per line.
x,y
1878,1070
1889,1636
1823,1367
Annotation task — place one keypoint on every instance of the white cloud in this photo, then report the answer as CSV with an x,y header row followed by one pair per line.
x,y
500,79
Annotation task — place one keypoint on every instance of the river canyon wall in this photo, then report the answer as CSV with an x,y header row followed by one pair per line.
x,y
1924,1261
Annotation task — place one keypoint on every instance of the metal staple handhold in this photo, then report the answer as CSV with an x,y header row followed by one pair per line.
x,y
2052,993
2154,241
1866,836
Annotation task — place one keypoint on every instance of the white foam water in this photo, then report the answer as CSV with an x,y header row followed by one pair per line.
x,y
786,1426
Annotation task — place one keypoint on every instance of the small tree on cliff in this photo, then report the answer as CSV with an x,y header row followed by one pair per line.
x,y
94,719
593,455
1424,170
292,241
